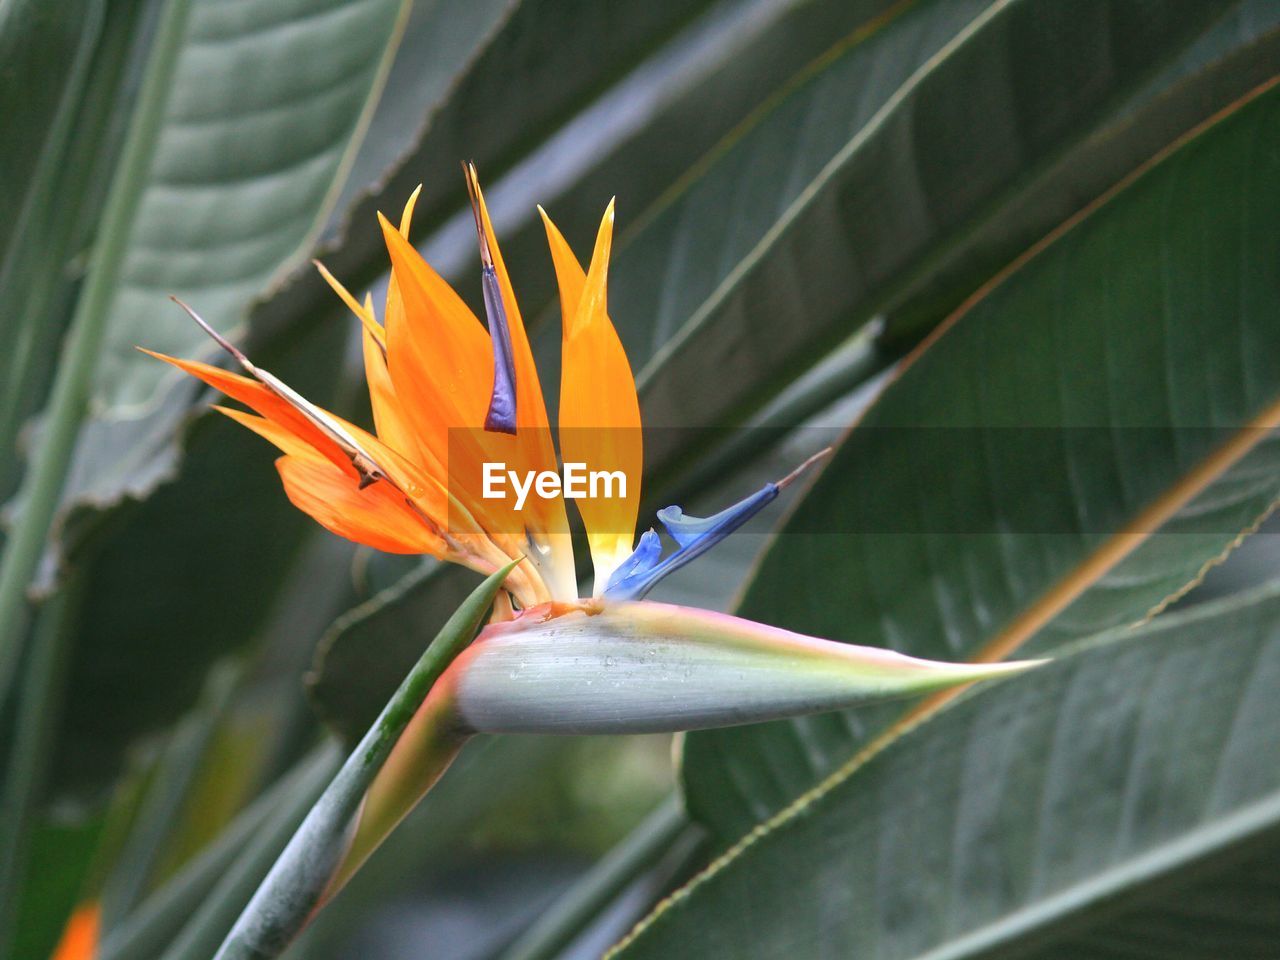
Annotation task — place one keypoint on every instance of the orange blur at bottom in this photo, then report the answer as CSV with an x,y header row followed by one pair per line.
x,y
80,936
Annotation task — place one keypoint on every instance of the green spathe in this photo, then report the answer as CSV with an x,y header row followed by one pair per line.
x,y
630,667
643,667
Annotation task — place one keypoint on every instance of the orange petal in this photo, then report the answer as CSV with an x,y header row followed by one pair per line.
x,y
441,367
569,274
80,935
599,410
363,312
406,215
272,432
376,516
381,391
388,417
403,472
427,494
534,449
438,352
476,550
264,401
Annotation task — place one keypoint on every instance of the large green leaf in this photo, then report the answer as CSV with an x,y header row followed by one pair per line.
x,y
266,108
1117,381
1110,804
251,164
1232,57
837,197
265,111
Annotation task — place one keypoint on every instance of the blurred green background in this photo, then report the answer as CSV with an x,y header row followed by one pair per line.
x,y
806,190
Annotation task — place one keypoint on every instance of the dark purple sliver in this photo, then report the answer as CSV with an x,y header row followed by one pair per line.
x,y
501,417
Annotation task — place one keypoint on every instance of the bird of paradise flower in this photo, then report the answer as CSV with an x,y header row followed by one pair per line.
x,y
441,388
447,397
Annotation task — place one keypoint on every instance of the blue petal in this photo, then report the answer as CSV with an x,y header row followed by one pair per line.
x,y
689,531
641,572
634,569
501,417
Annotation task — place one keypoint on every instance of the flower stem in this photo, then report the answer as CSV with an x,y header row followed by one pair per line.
x,y
305,871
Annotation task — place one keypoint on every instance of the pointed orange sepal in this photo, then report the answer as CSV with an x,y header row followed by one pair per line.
x,y
599,409
376,516
260,398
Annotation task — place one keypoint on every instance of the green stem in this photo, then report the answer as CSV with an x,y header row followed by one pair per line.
x,y
318,851
37,715
575,910
73,383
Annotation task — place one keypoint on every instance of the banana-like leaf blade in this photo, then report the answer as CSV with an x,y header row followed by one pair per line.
x,y
1110,804
838,197
1101,415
